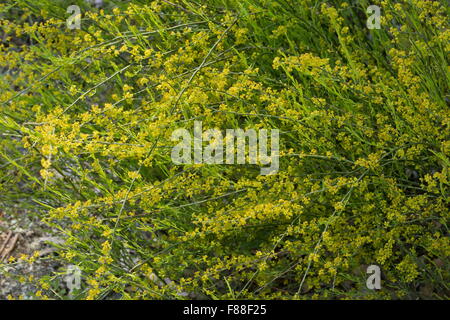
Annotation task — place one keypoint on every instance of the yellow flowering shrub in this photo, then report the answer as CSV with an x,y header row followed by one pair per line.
x,y
86,117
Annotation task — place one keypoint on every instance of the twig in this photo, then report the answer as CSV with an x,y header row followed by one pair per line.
x,y
7,252
8,236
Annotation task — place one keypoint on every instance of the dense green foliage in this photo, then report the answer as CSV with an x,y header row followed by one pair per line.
x,y
86,118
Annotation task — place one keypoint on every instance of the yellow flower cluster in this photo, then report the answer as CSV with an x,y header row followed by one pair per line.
x,y
363,115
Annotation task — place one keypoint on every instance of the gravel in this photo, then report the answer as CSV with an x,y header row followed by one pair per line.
x,y
32,236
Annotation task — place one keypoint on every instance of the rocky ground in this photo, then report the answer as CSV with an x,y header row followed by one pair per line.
x,y
21,234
